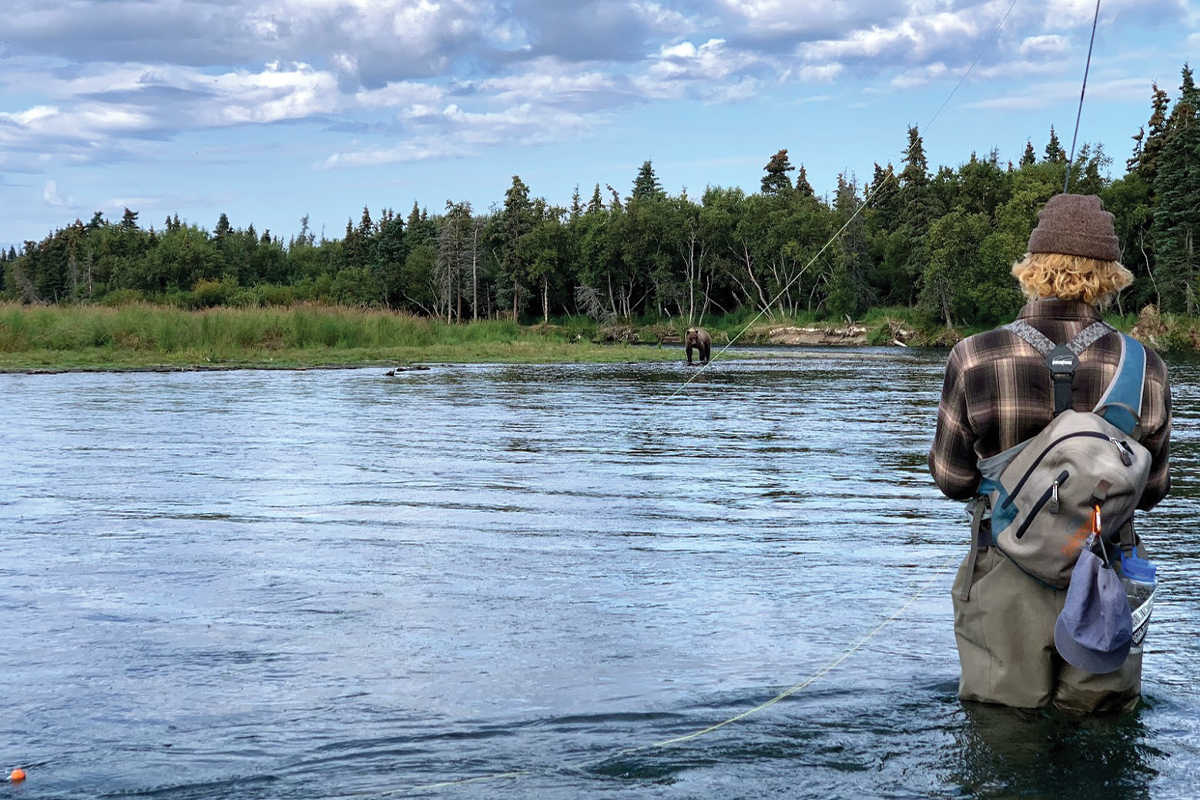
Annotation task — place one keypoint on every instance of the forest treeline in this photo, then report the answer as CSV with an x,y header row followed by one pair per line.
x,y
941,241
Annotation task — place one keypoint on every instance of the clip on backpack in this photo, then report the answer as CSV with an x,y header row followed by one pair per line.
x,y
1045,494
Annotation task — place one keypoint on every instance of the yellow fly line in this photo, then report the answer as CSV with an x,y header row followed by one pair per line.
x,y
832,664
791,690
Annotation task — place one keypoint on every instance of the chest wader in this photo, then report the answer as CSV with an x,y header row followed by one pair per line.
x,y
1008,592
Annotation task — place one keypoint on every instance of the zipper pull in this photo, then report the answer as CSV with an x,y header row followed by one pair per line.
x,y
1125,450
1054,498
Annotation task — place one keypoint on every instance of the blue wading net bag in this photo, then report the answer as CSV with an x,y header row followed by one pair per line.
x,y
1044,495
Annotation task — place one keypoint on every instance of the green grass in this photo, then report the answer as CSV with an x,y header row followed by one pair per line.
x,y
144,336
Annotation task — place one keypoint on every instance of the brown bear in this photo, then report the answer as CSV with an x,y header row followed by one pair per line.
x,y
699,339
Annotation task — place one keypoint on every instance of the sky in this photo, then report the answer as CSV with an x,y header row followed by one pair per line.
x,y
276,110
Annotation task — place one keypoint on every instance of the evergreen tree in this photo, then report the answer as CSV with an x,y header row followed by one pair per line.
x,y
576,204
391,252
885,198
646,185
352,250
454,258
777,182
803,187
1177,216
1131,163
1155,137
1086,175
596,204
917,213
1054,151
516,222
847,291
414,217
1029,156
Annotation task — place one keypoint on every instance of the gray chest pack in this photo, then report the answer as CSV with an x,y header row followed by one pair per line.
x,y
1084,470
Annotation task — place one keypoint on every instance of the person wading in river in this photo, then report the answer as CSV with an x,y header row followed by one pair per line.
x,y
998,392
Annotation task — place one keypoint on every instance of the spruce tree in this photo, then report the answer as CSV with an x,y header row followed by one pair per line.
x,y
516,222
1029,156
1177,216
777,182
917,212
646,185
1134,161
885,199
366,227
803,187
576,204
1054,151
414,218
596,204
1156,136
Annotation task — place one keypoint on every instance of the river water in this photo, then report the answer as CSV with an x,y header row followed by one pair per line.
x,y
529,582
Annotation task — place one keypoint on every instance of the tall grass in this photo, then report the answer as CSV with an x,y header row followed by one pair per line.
x,y
164,329
143,335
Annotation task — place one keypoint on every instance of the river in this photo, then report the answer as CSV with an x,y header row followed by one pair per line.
x,y
529,582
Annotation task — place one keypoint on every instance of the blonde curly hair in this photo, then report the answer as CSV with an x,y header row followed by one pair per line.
x,y
1070,277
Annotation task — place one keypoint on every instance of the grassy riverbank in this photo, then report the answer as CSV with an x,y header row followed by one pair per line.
x,y
144,336
147,337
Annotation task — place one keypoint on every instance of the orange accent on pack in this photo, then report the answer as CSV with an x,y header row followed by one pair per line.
x,y
1074,544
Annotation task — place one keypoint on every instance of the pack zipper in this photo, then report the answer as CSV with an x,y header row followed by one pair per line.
x,y
1122,448
1045,498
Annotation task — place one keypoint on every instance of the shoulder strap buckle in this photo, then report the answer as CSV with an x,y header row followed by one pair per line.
x,y
1061,359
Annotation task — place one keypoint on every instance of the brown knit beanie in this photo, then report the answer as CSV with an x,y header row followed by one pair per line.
x,y
1076,225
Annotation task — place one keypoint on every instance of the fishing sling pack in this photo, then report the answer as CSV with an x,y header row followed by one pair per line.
x,y
1046,495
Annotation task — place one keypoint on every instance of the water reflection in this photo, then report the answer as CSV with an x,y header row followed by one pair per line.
x,y
1008,752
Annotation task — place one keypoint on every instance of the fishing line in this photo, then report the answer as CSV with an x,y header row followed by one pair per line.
x,y
791,690
835,662
866,199
1082,89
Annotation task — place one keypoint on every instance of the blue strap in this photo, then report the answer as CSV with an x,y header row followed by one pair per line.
x,y
1122,401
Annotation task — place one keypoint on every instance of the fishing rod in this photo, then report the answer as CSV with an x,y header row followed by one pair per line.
x,y
1082,90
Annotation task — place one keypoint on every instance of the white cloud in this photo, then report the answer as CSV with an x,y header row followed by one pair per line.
x,y
921,77
85,121
820,73
277,93
551,82
374,156
399,94
52,197
735,92
480,71
1044,45
452,131
788,16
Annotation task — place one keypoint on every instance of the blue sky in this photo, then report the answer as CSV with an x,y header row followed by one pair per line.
x,y
270,111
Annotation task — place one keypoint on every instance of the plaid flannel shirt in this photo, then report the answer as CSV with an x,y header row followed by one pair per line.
x,y
998,392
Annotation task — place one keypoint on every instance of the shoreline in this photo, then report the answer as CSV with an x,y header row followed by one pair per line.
x,y
40,340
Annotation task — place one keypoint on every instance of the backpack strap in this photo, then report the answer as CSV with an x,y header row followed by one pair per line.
x,y
1035,338
1121,403
1064,358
